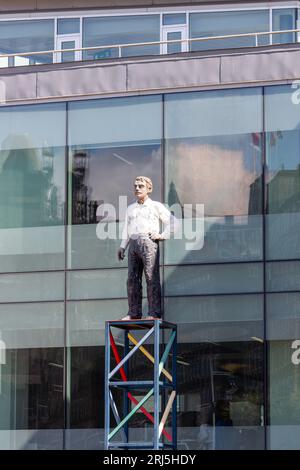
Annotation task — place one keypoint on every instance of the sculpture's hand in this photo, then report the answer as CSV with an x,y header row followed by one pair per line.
x,y
121,254
154,236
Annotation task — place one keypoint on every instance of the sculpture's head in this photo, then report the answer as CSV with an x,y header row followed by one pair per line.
x,y
142,187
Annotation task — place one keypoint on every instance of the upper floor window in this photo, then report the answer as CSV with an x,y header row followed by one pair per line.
x,y
110,30
225,23
68,25
284,19
26,36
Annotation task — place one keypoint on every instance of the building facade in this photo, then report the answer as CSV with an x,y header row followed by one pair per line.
x,y
93,95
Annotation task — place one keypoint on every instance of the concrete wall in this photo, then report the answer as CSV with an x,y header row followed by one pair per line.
x,y
44,5
151,75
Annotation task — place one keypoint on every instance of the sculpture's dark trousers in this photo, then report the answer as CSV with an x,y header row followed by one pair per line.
x,y
143,255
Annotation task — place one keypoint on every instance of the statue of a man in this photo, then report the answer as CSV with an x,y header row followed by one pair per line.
x,y
141,236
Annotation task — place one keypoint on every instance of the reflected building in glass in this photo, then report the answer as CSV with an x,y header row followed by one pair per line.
x,y
220,139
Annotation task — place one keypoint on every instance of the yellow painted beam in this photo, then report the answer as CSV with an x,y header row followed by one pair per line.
x,y
149,356
166,412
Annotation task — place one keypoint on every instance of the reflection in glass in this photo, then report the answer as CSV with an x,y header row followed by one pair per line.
x,y
220,370
31,375
31,287
214,158
220,395
32,187
283,276
111,142
283,333
282,174
284,383
213,279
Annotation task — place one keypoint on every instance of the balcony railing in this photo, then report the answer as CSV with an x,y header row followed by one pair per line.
x,y
102,52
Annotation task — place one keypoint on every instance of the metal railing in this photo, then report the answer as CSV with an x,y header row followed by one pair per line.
x,y
56,53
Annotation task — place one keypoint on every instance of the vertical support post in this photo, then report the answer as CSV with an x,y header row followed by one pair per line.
x,y
106,386
156,384
163,390
174,406
125,392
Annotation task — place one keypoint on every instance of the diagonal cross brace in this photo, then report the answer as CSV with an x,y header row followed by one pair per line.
x,y
166,412
115,411
132,412
166,352
149,356
131,353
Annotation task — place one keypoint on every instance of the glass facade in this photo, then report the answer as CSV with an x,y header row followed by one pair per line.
x,y
226,162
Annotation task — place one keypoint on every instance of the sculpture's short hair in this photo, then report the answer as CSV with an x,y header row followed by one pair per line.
x,y
146,180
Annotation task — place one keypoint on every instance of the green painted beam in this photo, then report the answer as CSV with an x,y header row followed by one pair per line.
x,y
166,352
132,412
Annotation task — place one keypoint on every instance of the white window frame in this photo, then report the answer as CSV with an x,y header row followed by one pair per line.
x,y
182,28
60,38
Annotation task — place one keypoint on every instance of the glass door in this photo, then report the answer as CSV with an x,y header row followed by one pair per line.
x,y
68,41
174,33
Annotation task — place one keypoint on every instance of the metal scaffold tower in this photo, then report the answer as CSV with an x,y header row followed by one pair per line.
x,y
124,380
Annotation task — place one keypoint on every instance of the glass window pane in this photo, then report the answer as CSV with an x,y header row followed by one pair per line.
x,y
220,353
175,47
86,361
226,23
174,18
283,333
31,287
104,284
28,36
99,284
111,142
69,55
68,26
32,187
213,155
284,19
31,381
222,318
107,31
282,173
88,330
283,276
284,379
201,280
283,316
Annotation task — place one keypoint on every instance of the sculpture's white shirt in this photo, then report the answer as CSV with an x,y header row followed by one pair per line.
x,y
142,219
